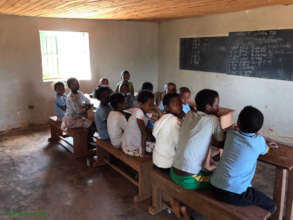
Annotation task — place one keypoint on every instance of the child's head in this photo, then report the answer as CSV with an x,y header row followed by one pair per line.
x,y
102,94
250,120
207,101
125,75
147,86
124,88
185,95
59,88
73,84
172,104
170,88
146,101
104,82
117,102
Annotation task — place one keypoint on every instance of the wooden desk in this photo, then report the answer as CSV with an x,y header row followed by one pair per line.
x,y
282,159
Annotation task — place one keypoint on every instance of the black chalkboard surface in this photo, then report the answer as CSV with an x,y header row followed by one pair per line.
x,y
265,54
204,54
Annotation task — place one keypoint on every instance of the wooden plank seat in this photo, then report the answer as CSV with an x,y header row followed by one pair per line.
x,y
79,135
200,200
142,165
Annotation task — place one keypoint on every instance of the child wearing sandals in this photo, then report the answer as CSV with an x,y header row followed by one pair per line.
x,y
134,140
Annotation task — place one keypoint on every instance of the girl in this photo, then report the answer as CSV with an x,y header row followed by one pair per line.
x,y
125,75
135,135
124,90
77,106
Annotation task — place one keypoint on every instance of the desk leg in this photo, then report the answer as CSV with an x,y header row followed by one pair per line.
x,y
289,202
279,192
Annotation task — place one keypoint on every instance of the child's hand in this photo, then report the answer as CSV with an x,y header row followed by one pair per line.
x,y
273,145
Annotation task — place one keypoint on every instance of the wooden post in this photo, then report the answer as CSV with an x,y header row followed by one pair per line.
x,y
279,192
80,142
55,134
157,199
289,202
144,182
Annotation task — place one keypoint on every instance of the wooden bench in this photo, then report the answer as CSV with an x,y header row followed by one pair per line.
x,y
141,165
79,135
200,200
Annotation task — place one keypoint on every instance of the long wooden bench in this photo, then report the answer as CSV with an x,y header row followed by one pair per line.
x,y
200,200
79,135
142,165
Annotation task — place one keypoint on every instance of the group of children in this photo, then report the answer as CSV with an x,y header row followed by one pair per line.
x,y
186,139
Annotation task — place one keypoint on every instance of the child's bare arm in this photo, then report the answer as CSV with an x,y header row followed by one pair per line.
x,y
143,131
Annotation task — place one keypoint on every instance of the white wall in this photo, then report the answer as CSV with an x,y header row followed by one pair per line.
x,y
273,97
114,46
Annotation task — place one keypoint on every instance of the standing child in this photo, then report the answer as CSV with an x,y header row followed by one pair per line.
x,y
166,132
60,100
125,75
77,106
102,111
185,99
232,178
199,129
135,135
103,82
116,122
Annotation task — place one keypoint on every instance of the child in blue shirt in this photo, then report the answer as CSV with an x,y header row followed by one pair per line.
x,y
60,100
231,180
102,112
185,99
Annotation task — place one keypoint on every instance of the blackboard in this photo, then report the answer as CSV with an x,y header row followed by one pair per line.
x,y
204,54
263,54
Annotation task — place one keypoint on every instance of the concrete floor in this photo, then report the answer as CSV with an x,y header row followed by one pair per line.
x,y
38,177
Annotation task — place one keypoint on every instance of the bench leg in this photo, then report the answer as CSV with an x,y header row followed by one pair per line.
x,y
80,145
55,134
157,201
279,193
289,202
144,182
102,156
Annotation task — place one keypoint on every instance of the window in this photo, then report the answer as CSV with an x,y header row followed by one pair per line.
x,y
64,55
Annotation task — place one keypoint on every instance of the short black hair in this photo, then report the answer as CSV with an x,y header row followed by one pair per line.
x,y
250,120
147,86
123,72
57,84
184,90
205,97
99,91
144,95
168,98
116,99
70,81
171,84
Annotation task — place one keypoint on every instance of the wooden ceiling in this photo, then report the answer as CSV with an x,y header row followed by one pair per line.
x,y
129,9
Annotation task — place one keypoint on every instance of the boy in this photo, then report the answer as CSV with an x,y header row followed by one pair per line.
x,y
129,99
169,88
147,86
185,99
116,122
60,100
166,132
232,178
198,130
125,75
101,115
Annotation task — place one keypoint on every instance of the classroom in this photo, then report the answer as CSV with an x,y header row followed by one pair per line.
x,y
146,110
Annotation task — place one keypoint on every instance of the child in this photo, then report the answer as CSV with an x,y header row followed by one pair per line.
x,y
232,178
102,112
124,90
198,130
60,100
166,132
185,99
103,82
125,75
147,86
135,135
77,106
168,89
116,122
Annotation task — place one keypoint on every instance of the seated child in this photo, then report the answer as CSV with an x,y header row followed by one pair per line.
x,y
102,111
103,82
147,86
77,106
198,130
231,180
135,135
185,99
168,89
60,100
127,96
166,132
116,122
125,75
